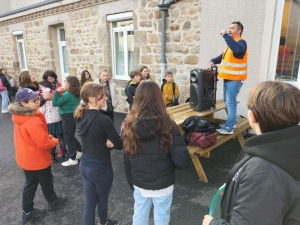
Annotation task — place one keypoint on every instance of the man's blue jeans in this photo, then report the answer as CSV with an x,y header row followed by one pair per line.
x,y
142,206
231,90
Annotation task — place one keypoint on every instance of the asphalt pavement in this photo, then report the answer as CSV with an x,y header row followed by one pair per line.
x,y
190,202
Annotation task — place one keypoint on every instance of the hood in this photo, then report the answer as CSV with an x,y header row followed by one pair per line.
x,y
20,113
86,121
146,127
281,148
132,83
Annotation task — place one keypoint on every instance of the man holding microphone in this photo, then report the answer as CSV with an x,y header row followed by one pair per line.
x,y
233,69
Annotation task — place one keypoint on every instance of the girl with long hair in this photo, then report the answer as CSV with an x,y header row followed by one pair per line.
x,y
145,73
153,149
98,136
111,94
85,77
27,80
53,120
67,103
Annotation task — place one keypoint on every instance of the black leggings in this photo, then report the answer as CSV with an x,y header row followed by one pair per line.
x,y
97,183
69,129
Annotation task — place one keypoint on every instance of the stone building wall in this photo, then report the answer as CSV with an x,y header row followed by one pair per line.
x,y
182,40
37,46
88,40
8,52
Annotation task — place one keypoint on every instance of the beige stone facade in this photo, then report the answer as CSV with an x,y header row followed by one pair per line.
x,y
88,39
192,38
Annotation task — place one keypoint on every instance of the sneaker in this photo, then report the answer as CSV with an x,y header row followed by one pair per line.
x,y
222,125
70,162
34,214
57,203
4,111
59,153
111,222
225,131
78,154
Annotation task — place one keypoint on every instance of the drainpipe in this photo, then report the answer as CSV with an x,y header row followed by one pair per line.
x,y
164,8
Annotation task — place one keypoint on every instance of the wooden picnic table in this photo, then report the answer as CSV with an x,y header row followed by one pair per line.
x,y
181,112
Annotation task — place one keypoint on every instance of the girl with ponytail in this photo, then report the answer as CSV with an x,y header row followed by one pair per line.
x,y
98,137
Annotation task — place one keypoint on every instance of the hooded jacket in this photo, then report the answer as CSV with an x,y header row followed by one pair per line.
x,y
152,169
31,138
168,90
130,91
94,129
266,189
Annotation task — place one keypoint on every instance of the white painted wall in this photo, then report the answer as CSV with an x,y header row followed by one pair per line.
x,y
257,17
5,6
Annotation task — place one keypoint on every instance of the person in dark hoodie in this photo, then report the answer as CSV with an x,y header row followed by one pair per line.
x,y
98,136
153,148
264,187
131,88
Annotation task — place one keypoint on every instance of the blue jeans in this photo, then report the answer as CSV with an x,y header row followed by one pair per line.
x,y
142,206
5,99
231,90
97,177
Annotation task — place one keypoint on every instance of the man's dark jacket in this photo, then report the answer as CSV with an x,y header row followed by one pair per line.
x,y
152,169
266,189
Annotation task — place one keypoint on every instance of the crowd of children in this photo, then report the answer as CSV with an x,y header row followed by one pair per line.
x,y
153,147
92,113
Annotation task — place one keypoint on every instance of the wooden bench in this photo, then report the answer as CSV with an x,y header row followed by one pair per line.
x,y
181,112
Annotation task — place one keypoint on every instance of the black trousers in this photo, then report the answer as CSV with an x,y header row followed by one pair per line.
x,y
33,178
69,129
109,114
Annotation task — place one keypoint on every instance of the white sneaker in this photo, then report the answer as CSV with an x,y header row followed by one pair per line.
x,y
78,154
224,131
222,125
4,111
70,162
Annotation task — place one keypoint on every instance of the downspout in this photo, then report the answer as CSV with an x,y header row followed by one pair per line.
x,y
47,2
164,8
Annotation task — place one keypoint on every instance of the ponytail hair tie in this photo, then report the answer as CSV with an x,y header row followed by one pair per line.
x,y
82,102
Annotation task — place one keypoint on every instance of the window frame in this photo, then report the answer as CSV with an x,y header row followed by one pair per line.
x,y
275,44
119,18
62,44
16,34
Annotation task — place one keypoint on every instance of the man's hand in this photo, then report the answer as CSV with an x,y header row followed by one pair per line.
x,y
207,219
166,96
210,65
109,144
223,32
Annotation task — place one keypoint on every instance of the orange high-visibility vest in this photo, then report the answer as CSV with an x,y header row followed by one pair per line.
x,y
232,68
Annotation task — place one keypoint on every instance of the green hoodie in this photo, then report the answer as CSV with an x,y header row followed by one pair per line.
x,y
67,102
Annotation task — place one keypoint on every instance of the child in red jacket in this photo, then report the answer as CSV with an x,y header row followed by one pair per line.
x,y
32,146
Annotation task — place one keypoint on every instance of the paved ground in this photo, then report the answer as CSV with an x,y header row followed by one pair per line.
x,y
190,202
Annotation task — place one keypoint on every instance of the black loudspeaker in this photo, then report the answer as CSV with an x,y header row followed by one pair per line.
x,y
203,88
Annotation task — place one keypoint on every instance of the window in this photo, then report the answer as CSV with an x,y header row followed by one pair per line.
x,y
288,58
63,55
21,49
122,45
